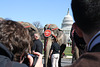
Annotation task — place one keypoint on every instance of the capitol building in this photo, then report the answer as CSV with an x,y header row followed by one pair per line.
x,y
67,25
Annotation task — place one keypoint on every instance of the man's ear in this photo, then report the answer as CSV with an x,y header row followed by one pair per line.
x,y
77,30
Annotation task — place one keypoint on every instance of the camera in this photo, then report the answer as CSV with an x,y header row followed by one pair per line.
x,y
26,60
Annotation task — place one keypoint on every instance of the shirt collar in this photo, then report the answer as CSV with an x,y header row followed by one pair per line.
x,y
95,40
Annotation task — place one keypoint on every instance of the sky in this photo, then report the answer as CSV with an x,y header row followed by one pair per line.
x,y
43,11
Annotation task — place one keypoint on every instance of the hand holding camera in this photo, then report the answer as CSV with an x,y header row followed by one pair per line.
x,y
34,60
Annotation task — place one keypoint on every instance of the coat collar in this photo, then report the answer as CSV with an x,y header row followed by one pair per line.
x,y
94,41
5,52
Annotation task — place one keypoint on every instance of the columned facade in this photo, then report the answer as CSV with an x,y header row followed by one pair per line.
x,y
67,25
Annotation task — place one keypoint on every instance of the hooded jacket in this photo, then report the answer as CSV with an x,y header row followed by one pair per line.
x,y
6,58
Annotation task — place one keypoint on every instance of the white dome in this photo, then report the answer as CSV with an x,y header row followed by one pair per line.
x,y
68,19
67,25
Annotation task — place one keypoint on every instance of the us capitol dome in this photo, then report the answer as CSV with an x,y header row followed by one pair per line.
x,y
67,25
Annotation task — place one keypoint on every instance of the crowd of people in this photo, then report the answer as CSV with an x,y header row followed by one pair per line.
x,y
16,43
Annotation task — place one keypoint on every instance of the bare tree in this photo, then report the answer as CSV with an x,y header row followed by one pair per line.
x,y
38,25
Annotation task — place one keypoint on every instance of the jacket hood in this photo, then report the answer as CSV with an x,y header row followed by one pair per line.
x,y
4,51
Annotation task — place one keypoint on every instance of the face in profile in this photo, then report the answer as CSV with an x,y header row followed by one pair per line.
x,y
36,36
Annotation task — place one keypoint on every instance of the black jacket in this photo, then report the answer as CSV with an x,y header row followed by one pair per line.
x,y
92,57
6,58
94,44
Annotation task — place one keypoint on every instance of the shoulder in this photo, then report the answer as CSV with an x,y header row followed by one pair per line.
x,y
16,64
39,41
6,62
90,59
96,48
35,41
53,44
12,64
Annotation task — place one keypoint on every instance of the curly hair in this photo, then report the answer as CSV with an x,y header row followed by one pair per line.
x,y
15,37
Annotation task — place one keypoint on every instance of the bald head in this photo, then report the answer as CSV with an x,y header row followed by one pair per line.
x,y
36,36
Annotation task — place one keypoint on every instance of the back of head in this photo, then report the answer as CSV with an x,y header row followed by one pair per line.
x,y
87,14
15,37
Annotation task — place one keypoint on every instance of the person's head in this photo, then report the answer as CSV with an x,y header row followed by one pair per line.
x,y
87,15
36,36
15,37
54,39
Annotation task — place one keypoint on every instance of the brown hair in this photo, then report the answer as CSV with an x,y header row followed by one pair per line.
x,y
15,37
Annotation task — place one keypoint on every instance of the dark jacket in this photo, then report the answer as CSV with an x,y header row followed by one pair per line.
x,y
6,58
92,57
94,44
